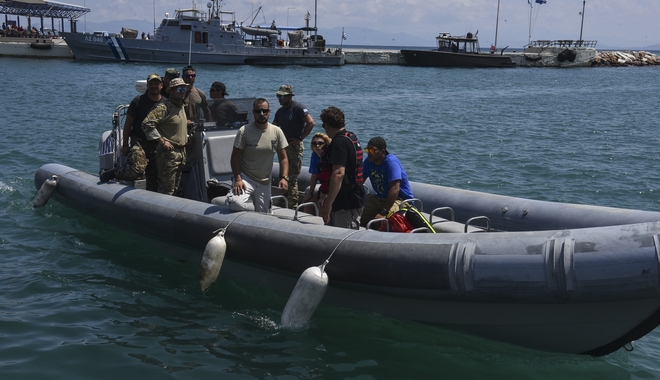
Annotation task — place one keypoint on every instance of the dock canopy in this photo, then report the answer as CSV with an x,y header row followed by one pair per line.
x,y
42,8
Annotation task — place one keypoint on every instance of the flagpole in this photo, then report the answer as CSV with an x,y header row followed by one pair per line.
x,y
341,41
497,23
582,24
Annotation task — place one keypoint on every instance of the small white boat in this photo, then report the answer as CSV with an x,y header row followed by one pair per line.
x,y
549,276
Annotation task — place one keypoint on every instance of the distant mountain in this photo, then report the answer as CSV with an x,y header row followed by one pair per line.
x,y
370,37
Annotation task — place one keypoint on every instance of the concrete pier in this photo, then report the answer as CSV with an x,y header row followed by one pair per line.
x,y
40,48
373,57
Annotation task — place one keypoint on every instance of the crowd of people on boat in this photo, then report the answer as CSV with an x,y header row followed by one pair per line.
x,y
18,31
156,133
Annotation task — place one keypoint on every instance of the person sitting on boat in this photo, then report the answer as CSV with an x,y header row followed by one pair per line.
x,y
340,173
224,112
252,162
170,74
388,178
167,123
312,194
195,100
296,123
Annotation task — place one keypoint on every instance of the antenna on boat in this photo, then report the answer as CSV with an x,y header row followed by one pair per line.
x,y
493,48
582,23
316,29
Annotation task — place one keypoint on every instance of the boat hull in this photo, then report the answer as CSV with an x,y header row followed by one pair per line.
x,y
106,48
584,290
436,58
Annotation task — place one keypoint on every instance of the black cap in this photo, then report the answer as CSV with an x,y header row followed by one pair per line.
x,y
219,86
378,142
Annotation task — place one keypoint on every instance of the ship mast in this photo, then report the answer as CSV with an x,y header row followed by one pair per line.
x,y
582,24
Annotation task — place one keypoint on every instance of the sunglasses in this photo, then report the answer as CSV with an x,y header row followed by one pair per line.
x,y
261,111
318,143
181,89
190,75
371,149
281,96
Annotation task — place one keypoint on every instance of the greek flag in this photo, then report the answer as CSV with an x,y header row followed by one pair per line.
x,y
108,145
343,35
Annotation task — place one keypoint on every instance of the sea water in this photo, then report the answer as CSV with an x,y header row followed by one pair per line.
x,y
82,299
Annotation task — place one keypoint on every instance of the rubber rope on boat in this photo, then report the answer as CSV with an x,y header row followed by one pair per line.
x,y
232,221
335,250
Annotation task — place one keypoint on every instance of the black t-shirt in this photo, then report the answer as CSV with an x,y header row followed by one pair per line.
x,y
291,120
341,151
138,110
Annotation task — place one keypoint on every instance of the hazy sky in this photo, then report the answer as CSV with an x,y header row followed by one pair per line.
x,y
619,23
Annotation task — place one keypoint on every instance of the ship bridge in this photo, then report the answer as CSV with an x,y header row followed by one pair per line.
x,y
41,9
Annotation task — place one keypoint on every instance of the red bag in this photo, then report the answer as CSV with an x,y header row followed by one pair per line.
x,y
398,223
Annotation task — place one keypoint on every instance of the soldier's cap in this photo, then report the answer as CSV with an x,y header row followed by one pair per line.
x,y
285,89
172,73
177,82
219,86
153,77
378,142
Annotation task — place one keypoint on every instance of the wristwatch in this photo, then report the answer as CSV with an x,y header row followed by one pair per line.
x,y
384,211
285,177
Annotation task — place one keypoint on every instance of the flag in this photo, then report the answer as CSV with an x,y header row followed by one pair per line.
x,y
541,1
343,35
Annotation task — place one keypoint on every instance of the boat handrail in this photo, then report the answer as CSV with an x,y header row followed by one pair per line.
x,y
451,212
373,221
411,202
286,201
316,208
476,218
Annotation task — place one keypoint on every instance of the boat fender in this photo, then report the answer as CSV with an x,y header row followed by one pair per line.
x,y
45,191
570,55
562,56
214,255
306,296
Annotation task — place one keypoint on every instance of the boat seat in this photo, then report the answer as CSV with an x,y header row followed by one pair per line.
x,y
450,226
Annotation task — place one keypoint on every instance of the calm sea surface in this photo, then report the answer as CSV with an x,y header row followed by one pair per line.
x,y
80,299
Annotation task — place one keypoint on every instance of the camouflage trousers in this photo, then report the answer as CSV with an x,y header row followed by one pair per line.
x,y
294,153
141,163
170,163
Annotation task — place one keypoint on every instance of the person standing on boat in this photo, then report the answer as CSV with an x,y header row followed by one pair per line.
x,y
141,154
170,74
252,161
388,179
340,173
224,112
167,125
195,100
296,123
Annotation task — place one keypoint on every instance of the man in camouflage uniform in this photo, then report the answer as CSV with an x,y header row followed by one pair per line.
x,y
166,124
140,154
195,100
170,74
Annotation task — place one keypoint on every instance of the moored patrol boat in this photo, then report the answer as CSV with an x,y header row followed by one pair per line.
x,y
207,37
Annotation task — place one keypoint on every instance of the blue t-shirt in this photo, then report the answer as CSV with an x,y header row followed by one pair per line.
x,y
314,163
381,176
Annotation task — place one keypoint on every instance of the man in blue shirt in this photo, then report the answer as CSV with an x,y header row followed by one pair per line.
x,y
388,179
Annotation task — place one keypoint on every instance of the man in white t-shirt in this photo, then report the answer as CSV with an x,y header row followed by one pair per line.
x,y
252,161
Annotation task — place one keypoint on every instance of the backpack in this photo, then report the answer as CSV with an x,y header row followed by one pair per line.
x,y
398,223
416,218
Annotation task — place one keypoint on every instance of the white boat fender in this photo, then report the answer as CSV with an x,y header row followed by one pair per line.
x,y
45,191
304,299
214,255
308,293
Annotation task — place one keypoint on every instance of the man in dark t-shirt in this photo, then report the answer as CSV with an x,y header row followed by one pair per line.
x,y
141,152
296,123
341,167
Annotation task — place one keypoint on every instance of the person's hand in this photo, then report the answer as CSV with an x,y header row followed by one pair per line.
x,y
239,187
326,208
284,186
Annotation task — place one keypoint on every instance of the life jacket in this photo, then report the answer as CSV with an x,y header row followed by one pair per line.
x,y
325,168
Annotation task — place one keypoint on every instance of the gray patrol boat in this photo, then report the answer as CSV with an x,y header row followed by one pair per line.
x,y
208,37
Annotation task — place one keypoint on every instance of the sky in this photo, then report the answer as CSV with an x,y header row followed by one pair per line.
x,y
613,23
